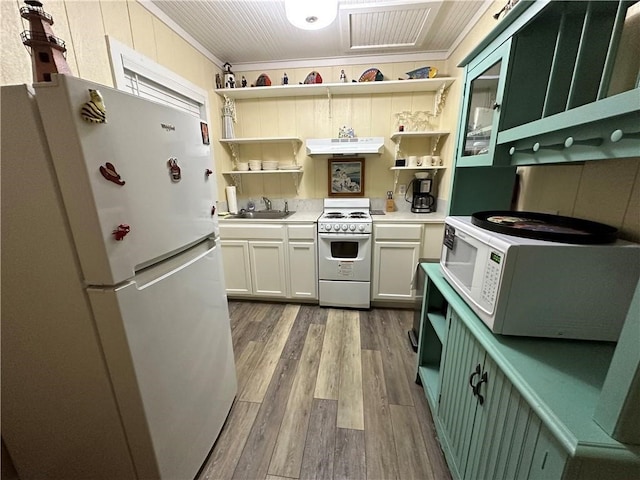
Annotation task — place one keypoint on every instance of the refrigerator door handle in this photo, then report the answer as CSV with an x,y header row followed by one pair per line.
x,y
157,272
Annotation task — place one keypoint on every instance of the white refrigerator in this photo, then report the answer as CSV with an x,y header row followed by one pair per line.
x,y
117,358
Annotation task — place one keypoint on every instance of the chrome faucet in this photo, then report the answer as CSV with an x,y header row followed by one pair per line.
x,y
267,203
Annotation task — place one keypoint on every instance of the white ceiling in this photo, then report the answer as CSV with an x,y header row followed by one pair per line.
x,y
252,34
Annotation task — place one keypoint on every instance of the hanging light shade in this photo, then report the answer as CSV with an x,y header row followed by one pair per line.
x,y
311,14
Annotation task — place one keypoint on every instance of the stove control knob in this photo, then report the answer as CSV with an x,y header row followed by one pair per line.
x,y
361,228
344,227
352,227
327,227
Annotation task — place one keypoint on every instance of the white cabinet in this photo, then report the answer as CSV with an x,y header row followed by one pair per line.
x,y
396,252
254,259
235,257
303,261
432,241
268,275
270,260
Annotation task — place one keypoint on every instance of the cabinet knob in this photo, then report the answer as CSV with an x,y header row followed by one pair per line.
x,y
495,106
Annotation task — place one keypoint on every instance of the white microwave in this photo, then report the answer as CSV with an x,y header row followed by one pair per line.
x,y
521,286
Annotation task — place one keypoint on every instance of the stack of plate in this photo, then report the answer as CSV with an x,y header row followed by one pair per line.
x,y
270,165
242,166
255,164
288,166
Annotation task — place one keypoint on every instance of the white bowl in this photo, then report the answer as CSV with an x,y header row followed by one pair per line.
x,y
269,165
421,175
255,164
242,166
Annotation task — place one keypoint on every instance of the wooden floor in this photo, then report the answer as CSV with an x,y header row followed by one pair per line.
x,y
325,394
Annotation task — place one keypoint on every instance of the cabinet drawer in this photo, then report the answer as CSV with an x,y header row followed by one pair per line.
x,y
398,232
302,232
252,232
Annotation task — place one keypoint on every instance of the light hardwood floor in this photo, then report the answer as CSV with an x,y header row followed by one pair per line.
x,y
325,394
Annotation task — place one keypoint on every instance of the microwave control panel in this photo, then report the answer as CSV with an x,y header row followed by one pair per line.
x,y
492,278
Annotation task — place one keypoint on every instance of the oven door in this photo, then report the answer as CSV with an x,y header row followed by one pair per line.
x,y
345,257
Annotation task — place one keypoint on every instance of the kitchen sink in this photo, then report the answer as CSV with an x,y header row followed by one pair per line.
x,y
263,215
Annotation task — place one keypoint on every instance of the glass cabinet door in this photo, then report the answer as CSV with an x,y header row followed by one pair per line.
x,y
481,112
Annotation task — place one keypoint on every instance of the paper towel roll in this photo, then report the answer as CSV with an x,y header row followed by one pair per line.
x,y
232,201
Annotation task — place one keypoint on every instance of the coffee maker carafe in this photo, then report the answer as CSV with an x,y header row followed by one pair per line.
x,y
423,201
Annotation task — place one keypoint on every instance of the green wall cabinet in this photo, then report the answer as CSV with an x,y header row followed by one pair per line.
x,y
554,82
482,100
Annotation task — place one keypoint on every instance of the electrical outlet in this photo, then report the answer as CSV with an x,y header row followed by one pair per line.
x,y
402,189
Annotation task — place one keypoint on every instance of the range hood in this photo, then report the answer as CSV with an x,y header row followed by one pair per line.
x,y
344,146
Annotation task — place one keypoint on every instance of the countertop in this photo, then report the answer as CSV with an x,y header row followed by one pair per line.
x,y
312,216
398,217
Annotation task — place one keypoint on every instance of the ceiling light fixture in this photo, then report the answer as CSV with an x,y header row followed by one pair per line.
x,y
311,14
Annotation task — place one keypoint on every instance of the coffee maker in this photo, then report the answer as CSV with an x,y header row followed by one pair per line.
x,y
423,201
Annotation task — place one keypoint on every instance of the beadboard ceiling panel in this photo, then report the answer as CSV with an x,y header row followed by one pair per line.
x,y
245,32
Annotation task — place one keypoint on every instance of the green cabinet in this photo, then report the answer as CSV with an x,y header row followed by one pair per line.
x,y
514,407
554,82
482,99
488,428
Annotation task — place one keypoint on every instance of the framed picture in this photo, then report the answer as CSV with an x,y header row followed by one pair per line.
x,y
204,129
346,177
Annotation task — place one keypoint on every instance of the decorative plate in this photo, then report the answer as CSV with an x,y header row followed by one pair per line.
x,y
371,75
263,81
313,77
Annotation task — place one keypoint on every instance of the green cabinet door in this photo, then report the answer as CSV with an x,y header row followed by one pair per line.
x,y
492,434
481,108
463,357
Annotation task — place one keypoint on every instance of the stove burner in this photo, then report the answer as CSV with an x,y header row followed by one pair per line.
x,y
334,215
358,215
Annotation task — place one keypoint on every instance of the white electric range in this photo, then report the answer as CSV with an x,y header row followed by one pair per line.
x,y
344,253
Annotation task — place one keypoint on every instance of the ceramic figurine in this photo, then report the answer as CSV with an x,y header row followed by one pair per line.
x,y
285,79
218,81
47,51
244,82
343,77
228,117
229,77
346,132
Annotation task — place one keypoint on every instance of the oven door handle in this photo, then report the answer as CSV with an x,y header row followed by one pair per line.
x,y
344,236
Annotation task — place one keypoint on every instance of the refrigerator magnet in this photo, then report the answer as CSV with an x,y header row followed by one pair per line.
x,y
174,169
204,129
109,172
94,110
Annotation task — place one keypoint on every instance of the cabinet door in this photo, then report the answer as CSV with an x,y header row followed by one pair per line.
x,y
483,92
268,274
303,274
394,266
235,258
500,436
457,404
509,440
432,241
